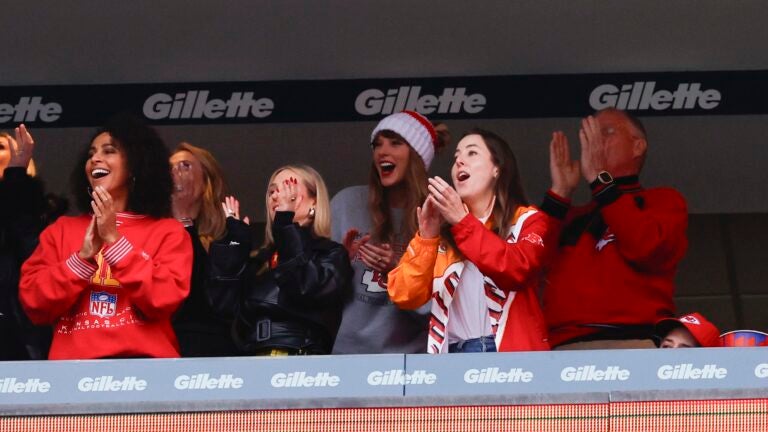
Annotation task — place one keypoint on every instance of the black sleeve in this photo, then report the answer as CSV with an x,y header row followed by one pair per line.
x,y
228,261
199,254
22,209
21,214
309,274
197,302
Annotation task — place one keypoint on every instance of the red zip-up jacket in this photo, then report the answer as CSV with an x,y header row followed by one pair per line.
x,y
430,270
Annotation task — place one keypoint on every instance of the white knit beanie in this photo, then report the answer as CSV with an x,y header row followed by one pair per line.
x,y
415,128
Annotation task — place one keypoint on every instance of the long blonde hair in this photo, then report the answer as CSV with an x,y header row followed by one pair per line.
x,y
31,169
321,223
211,222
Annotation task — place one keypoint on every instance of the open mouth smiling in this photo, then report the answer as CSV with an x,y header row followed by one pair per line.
x,y
386,167
98,173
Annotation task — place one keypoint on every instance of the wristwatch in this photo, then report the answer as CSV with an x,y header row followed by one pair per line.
x,y
604,177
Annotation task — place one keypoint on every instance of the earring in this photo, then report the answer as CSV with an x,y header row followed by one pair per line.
x,y
312,212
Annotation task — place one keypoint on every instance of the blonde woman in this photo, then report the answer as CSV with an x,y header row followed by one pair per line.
x,y
286,298
198,190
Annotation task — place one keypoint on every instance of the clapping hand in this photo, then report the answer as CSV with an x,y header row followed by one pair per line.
x,y
593,157
183,200
352,243
564,171
446,200
429,219
21,153
103,227
378,257
231,207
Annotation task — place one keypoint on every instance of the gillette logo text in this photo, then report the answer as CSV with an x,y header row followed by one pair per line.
x,y
302,379
642,95
195,104
30,109
453,100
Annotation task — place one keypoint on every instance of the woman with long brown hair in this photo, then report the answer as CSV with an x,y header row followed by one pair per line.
x,y
199,189
374,222
482,269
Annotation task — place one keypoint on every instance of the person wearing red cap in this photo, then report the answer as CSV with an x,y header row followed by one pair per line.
x,y
375,222
688,331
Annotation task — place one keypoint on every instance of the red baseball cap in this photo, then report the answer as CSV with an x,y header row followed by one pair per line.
x,y
705,333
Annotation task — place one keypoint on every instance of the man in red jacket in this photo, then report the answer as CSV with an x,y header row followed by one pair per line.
x,y
613,276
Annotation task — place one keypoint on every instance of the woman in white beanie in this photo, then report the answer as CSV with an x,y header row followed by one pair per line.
x,y
375,222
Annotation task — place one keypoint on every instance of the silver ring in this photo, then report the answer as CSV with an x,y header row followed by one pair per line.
x,y
230,213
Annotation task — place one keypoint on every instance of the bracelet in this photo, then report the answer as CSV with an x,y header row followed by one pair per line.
x,y
187,222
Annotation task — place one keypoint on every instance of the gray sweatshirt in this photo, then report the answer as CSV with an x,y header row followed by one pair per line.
x,y
370,322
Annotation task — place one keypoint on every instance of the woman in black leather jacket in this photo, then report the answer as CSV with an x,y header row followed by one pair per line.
x,y
285,298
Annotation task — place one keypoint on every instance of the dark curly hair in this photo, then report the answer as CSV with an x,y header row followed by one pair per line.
x,y
147,158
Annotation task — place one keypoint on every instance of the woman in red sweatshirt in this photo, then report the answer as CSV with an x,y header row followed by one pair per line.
x,y
110,279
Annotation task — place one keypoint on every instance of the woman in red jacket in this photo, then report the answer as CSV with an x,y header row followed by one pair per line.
x,y
481,270
110,279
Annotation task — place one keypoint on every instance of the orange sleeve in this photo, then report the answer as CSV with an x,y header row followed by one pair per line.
x,y
410,283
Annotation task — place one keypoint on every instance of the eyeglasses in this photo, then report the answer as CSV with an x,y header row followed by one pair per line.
x,y
182,166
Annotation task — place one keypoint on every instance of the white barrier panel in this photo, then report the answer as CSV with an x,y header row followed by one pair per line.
x,y
157,385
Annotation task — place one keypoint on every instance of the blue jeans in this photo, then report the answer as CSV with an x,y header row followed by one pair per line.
x,y
481,344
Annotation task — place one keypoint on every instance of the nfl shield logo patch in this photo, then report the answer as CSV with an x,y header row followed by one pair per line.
x,y
103,304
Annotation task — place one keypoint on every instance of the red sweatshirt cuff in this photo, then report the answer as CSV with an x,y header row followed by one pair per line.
x,y
82,268
117,251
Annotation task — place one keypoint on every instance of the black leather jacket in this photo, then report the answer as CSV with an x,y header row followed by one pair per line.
x,y
287,296
200,331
